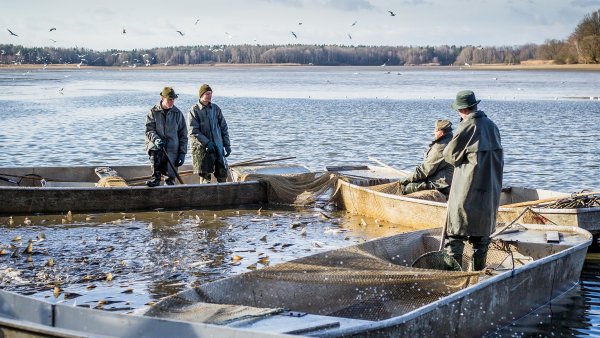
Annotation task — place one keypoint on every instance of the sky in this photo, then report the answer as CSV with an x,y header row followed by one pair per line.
x,y
99,25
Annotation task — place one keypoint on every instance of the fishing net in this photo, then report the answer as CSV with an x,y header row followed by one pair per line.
x,y
575,202
395,188
371,281
296,189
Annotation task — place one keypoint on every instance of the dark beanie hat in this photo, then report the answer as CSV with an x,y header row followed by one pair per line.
x,y
204,88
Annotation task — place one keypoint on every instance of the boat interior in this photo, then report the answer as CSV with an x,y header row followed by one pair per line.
x,y
356,285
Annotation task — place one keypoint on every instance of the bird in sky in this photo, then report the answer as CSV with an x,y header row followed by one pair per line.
x,y
299,23
124,31
294,34
61,91
52,29
197,20
349,36
53,40
228,35
392,13
354,23
181,33
11,32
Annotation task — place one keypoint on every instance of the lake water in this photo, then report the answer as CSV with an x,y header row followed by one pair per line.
x,y
324,116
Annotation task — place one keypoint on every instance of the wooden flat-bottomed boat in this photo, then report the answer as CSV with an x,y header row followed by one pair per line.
x,y
29,190
369,289
359,194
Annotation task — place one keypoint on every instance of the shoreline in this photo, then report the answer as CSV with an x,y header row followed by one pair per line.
x,y
534,65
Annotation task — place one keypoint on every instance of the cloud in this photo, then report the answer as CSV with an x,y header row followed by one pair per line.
x,y
416,2
350,5
585,3
293,3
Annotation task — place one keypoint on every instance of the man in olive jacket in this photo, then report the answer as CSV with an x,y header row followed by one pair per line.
x,y
476,153
434,172
166,135
210,137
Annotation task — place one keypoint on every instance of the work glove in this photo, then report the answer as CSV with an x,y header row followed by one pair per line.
x,y
227,151
210,147
159,143
180,160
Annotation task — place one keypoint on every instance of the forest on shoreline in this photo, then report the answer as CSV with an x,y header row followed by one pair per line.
x,y
582,47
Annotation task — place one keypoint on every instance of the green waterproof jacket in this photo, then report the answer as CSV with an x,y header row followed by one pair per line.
x,y
476,153
200,133
434,170
170,127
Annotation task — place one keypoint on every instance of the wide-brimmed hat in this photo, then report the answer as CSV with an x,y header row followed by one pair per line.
x,y
444,125
464,99
169,93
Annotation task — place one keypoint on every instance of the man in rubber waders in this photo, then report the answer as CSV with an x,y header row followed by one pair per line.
x,y
209,137
166,138
476,153
434,172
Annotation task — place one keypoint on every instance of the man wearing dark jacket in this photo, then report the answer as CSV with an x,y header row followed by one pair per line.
x,y
476,153
166,138
434,172
210,137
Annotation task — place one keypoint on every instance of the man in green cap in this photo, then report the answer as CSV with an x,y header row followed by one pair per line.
x,y
476,153
210,138
166,138
434,172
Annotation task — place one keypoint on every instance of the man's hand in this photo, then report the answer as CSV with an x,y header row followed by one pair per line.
x,y
180,160
227,151
159,143
210,147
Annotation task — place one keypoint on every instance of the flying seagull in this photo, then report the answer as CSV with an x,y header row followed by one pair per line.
x,y
124,31
392,13
11,32
354,23
53,40
228,35
299,23
350,36
197,20
52,29
294,34
180,33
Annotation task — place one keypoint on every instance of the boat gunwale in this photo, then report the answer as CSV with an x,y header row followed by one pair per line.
x,y
140,187
447,300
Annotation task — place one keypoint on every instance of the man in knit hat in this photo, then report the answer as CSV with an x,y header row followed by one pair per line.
x,y
434,172
166,138
476,153
210,138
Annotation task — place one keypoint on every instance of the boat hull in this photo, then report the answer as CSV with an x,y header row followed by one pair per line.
x,y
422,214
73,189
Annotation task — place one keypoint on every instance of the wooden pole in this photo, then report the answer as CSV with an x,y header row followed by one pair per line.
x,y
388,166
263,161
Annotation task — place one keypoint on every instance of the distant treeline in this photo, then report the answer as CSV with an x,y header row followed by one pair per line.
x,y
324,55
583,46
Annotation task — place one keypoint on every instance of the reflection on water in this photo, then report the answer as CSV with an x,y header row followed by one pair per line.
x,y
150,255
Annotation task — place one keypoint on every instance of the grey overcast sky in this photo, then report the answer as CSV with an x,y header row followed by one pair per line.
x,y
99,24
